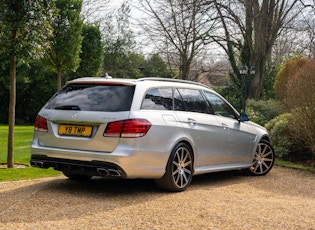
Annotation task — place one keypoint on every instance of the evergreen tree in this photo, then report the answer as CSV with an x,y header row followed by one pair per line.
x,y
64,54
91,54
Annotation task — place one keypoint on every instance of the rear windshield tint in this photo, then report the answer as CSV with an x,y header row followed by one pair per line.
x,y
107,98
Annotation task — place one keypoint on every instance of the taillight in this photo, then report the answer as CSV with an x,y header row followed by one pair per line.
x,y
41,124
127,128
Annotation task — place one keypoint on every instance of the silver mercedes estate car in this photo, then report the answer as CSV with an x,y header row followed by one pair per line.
x,y
163,129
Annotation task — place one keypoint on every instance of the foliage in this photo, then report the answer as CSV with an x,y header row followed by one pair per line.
x,y
300,99
291,66
155,67
66,41
121,65
24,34
286,146
272,69
91,53
280,135
252,45
233,94
4,91
120,59
29,101
24,28
293,133
263,111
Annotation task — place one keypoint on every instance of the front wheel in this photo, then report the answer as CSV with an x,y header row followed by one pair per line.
x,y
179,169
263,160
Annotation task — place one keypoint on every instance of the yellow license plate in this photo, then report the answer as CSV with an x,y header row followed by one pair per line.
x,y
75,130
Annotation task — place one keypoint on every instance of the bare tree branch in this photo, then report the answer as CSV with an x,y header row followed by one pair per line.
x,y
179,29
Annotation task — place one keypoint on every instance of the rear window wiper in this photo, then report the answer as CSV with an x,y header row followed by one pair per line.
x,y
68,107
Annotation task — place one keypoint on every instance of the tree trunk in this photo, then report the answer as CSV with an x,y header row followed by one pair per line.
x,y
263,41
10,157
59,75
256,85
256,88
185,70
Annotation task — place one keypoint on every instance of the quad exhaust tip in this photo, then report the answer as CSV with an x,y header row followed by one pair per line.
x,y
38,164
108,172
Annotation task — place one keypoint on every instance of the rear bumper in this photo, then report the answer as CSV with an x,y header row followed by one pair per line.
x,y
121,163
92,168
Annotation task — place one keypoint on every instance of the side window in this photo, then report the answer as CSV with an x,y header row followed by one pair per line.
x,y
219,106
158,99
193,100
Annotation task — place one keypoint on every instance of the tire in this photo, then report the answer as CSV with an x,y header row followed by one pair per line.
x,y
263,161
78,177
179,169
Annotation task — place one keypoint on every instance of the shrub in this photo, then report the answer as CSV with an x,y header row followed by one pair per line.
x,y
286,145
263,111
300,99
291,66
278,129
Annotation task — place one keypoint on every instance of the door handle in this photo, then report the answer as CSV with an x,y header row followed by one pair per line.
x,y
191,121
224,126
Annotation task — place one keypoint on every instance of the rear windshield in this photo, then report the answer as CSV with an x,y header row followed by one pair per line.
x,y
106,98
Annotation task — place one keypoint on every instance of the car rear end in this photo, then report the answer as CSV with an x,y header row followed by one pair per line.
x,y
87,129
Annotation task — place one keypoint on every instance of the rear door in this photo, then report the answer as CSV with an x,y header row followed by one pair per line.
x,y
201,127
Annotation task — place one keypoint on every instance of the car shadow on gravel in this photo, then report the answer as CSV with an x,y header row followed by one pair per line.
x,y
279,181
61,198
217,179
118,187
101,186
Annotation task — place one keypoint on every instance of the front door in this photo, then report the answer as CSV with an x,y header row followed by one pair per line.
x,y
237,138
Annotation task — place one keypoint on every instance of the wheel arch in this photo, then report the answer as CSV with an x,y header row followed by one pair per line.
x,y
188,143
265,138
178,175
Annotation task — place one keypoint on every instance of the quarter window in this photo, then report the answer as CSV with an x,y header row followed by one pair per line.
x,y
158,99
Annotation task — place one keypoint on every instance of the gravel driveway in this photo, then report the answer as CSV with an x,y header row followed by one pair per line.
x,y
284,199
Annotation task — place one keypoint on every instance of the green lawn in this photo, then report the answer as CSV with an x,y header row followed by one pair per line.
x,y
22,141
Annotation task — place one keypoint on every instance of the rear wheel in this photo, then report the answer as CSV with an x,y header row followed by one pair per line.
x,y
263,160
179,169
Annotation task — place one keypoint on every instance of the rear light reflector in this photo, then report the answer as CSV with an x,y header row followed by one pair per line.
x,y
130,128
41,124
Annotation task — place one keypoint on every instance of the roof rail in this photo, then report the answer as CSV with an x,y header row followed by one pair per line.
x,y
171,80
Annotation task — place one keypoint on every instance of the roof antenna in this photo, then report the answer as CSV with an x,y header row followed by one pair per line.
x,y
107,76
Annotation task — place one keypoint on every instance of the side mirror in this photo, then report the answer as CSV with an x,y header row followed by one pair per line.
x,y
243,117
